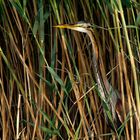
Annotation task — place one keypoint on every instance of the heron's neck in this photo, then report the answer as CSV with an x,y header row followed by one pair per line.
x,y
106,91
97,72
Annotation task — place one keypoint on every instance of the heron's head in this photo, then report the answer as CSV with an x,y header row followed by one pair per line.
x,y
79,26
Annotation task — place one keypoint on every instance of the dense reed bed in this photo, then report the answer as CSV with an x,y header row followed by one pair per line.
x,y
47,83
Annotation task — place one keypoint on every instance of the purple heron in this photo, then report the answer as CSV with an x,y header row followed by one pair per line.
x,y
108,95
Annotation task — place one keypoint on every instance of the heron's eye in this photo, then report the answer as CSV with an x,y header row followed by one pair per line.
x,y
83,24
87,25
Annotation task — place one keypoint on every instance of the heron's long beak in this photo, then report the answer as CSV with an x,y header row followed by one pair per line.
x,y
65,26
